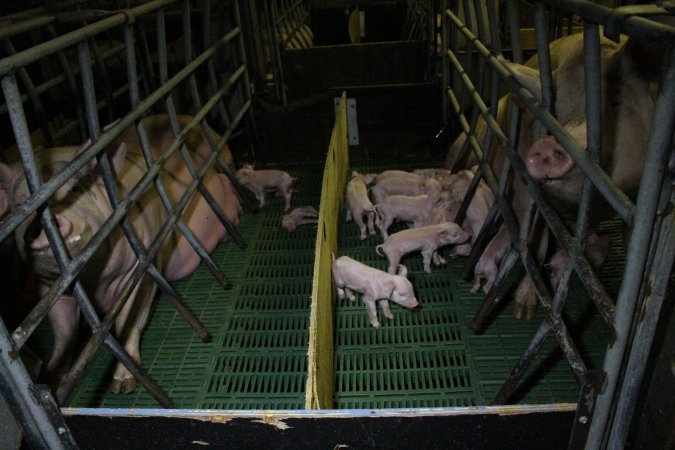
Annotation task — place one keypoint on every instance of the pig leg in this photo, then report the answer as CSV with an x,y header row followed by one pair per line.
x,y
348,215
128,327
286,194
372,311
64,318
394,257
358,218
476,283
385,223
350,295
371,222
340,291
526,300
426,259
386,309
438,259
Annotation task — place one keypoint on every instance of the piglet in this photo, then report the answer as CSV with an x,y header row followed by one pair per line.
x,y
299,216
425,239
403,186
401,174
488,264
437,173
375,285
597,248
413,209
358,203
260,181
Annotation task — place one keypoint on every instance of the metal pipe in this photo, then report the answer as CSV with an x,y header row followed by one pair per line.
x,y
14,385
48,188
592,283
658,279
659,147
23,58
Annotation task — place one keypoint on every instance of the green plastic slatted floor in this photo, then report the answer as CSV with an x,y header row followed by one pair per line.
x,y
257,359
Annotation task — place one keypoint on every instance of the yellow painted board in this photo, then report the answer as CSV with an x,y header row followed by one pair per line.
x,y
320,377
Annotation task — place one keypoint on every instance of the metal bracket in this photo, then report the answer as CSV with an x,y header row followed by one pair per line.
x,y
591,385
45,399
352,124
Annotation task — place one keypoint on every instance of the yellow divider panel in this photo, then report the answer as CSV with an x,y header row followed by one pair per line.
x,y
320,378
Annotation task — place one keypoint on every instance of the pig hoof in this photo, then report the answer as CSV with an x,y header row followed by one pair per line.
x,y
390,317
375,325
363,237
518,311
531,312
125,386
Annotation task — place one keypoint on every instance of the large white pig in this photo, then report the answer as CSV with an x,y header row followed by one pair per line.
x,y
425,239
81,206
358,203
627,105
376,285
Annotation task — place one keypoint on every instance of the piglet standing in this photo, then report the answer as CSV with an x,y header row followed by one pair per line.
x,y
299,216
412,209
425,239
260,181
358,203
375,285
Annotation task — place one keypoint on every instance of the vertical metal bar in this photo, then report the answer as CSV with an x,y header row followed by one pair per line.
x,y
37,429
445,65
72,88
660,139
34,97
245,87
657,285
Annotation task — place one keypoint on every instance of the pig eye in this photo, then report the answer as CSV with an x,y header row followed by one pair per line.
x,y
76,189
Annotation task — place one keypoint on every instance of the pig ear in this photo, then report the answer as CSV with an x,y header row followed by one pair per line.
x,y
116,158
402,270
369,178
527,76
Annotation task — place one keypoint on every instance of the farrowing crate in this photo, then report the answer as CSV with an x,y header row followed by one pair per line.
x,y
419,361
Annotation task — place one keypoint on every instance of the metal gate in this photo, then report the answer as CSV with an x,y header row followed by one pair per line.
x,y
70,72
472,76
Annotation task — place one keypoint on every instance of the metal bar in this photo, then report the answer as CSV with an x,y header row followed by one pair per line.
x,y
591,282
659,147
23,58
14,383
138,249
245,88
658,279
33,94
48,188
565,340
57,245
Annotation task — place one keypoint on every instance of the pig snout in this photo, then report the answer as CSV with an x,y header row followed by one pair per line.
x,y
547,160
38,238
411,304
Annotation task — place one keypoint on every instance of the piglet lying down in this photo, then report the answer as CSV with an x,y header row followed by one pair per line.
x,y
299,216
375,285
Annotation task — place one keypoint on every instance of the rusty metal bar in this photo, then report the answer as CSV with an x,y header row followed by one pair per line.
x,y
659,149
